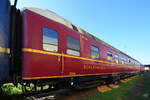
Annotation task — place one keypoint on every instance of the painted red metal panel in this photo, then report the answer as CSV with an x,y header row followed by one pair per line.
x,y
37,64
40,63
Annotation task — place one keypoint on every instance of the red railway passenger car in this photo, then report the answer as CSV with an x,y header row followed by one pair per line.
x,y
42,48
55,48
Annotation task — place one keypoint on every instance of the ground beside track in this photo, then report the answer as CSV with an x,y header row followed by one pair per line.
x,y
141,90
119,92
134,89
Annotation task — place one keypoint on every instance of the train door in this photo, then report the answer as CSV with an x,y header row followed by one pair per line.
x,y
71,62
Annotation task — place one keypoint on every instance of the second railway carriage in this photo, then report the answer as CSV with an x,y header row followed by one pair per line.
x,y
53,47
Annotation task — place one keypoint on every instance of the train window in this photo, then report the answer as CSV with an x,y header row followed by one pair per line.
x,y
94,52
116,59
122,61
125,61
73,46
134,64
50,39
109,56
129,61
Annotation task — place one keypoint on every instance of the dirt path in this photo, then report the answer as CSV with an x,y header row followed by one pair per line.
x,y
135,90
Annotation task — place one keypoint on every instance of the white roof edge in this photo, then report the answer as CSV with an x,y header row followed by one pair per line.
x,y
55,17
50,15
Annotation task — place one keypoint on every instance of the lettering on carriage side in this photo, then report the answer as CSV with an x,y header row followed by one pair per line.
x,y
85,67
72,73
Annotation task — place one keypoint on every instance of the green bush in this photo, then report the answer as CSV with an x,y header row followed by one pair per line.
x,y
10,89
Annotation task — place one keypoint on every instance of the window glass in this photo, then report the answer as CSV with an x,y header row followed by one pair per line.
x,y
94,52
133,63
125,61
50,39
73,52
109,56
122,61
117,59
73,46
129,63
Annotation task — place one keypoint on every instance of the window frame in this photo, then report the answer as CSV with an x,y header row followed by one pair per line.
x,y
116,56
49,43
108,52
71,48
91,52
122,60
125,61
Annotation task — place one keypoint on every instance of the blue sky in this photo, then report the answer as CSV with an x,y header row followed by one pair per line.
x,y
124,24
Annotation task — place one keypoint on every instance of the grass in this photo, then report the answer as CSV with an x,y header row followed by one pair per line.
x,y
119,93
144,90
